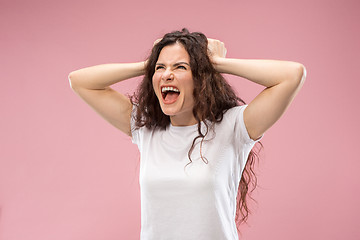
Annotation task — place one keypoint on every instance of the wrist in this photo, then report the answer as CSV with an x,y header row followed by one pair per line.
x,y
140,68
219,64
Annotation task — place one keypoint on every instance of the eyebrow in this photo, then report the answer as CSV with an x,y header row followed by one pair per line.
x,y
176,64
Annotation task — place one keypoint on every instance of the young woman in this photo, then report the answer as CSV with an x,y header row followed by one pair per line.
x,y
194,134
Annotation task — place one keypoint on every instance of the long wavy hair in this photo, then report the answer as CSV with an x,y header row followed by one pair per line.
x,y
213,96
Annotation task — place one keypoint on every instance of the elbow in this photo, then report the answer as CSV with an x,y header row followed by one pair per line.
x,y
300,74
71,78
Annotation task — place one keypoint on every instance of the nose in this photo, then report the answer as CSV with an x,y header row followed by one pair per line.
x,y
167,75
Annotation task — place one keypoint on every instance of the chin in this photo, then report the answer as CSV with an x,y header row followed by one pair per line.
x,y
168,111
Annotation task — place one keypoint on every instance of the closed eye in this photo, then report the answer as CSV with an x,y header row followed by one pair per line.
x,y
181,67
159,67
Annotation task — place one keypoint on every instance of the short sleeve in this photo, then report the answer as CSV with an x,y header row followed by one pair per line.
x,y
240,128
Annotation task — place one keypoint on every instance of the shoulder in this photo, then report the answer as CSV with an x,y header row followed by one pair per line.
x,y
232,117
234,120
235,112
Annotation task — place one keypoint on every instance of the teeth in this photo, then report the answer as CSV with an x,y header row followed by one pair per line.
x,y
165,89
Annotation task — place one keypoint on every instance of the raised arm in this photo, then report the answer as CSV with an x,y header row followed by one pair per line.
x,y
282,79
92,84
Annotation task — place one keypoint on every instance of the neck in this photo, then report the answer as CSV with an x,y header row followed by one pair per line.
x,y
183,121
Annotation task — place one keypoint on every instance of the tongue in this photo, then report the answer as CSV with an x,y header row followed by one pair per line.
x,y
171,96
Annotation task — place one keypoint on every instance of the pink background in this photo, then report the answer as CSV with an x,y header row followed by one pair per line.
x,y
65,173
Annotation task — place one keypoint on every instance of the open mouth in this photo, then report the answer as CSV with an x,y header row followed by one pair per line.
x,y
170,94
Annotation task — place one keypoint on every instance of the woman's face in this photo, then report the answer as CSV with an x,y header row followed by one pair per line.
x,y
173,85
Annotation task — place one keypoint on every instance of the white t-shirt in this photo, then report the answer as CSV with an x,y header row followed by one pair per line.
x,y
197,202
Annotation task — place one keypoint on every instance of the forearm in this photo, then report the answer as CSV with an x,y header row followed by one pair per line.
x,y
104,75
264,72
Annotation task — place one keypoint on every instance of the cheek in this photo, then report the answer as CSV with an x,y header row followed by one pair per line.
x,y
190,88
155,83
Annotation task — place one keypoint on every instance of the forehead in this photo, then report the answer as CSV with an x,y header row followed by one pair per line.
x,y
173,53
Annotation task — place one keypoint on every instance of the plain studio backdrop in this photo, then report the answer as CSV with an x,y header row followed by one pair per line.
x,y
65,173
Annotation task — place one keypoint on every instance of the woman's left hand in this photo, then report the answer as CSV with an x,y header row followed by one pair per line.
x,y
216,50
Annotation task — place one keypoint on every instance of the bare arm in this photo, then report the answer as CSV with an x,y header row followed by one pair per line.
x,y
282,79
92,84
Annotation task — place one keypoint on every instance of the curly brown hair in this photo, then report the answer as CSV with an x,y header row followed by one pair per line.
x,y
213,97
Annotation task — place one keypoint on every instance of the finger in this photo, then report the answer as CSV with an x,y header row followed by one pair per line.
x,y
157,41
212,39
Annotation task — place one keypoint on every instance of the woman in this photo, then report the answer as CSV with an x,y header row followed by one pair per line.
x,y
194,134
